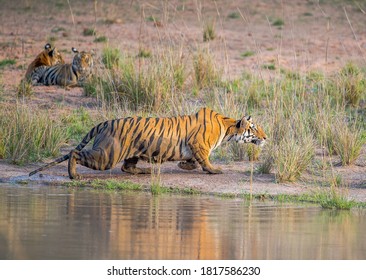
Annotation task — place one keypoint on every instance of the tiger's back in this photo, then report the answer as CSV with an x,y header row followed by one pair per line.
x,y
48,57
157,139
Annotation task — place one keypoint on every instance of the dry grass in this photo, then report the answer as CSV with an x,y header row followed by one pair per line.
x,y
29,135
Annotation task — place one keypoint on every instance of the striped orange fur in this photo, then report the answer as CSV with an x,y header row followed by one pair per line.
x,y
189,139
48,57
67,75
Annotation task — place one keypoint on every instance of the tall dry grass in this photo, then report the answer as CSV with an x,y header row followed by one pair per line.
x,y
29,135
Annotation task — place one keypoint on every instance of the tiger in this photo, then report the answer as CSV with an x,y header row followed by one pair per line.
x,y
67,75
189,139
48,57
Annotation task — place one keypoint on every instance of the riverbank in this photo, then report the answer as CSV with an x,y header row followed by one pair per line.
x,y
236,181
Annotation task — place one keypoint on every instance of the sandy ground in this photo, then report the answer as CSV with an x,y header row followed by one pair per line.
x,y
314,37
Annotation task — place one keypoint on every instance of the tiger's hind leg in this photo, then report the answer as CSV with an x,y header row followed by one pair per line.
x,y
129,166
96,159
190,164
74,157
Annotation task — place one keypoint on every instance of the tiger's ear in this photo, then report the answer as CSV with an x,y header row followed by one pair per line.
x,y
242,122
249,118
47,46
74,50
51,52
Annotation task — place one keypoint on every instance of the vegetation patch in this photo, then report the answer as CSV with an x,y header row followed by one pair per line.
x,y
209,33
101,39
143,53
247,54
278,22
77,124
6,62
110,184
234,15
89,32
270,66
25,88
28,135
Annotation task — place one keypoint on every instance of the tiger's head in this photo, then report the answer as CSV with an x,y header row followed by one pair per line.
x,y
51,56
48,57
245,131
82,62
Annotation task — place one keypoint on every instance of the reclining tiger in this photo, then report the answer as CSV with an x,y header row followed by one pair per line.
x,y
189,139
67,75
48,57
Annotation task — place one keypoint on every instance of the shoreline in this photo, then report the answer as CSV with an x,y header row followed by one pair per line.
x,y
233,183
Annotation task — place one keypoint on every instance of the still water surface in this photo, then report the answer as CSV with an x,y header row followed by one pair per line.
x,y
39,222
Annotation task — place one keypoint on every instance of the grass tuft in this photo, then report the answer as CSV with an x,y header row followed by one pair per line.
x,y
352,84
206,74
25,88
29,135
278,22
111,57
101,39
89,32
247,54
209,33
234,15
6,62
347,141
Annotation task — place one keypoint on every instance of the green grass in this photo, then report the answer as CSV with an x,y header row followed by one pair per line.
x,y
234,15
151,87
347,141
89,32
111,57
324,198
152,18
78,124
247,54
292,157
24,88
307,14
156,186
57,29
278,22
270,66
109,184
352,84
206,73
6,62
101,39
209,33
144,53
29,135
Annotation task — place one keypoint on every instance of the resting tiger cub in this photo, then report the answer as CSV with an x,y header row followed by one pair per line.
x,y
67,75
50,56
189,138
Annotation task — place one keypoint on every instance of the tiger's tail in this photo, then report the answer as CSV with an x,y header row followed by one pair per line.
x,y
92,133
57,161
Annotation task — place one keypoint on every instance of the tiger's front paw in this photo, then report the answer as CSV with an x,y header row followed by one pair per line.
x,y
213,170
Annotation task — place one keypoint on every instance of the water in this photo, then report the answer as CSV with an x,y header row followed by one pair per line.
x,y
43,222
